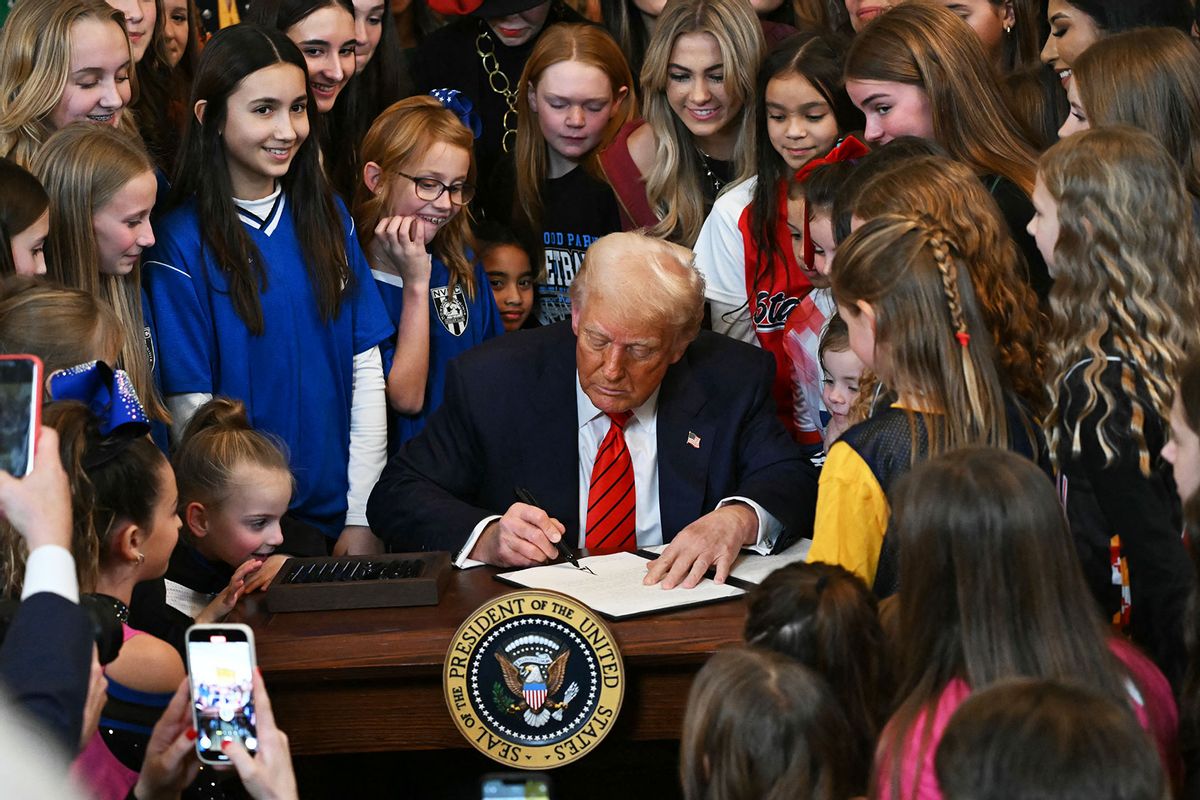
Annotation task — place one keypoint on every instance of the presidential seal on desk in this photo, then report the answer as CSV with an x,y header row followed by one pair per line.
x,y
533,679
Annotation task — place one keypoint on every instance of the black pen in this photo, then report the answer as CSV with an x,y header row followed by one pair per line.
x,y
525,497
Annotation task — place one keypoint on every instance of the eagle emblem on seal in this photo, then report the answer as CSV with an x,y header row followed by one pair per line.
x,y
533,668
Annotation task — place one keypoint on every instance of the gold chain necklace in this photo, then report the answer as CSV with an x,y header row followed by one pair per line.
x,y
486,50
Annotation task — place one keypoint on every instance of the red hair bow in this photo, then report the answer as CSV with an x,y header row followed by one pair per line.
x,y
847,149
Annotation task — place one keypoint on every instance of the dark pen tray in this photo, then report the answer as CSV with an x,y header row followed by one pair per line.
x,y
380,581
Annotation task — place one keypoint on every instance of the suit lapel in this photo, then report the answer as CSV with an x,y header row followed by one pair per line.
x,y
685,442
553,435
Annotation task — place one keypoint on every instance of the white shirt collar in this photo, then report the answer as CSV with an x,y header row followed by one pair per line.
x,y
586,411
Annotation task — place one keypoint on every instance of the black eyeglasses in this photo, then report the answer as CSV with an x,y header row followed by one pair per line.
x,y
430,189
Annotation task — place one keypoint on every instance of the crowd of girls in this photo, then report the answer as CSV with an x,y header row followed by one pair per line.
x,y
248,240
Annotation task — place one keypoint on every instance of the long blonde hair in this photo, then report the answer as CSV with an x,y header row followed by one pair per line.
x,y
587,44
1122,287
927,319
82,167
931,47
63,327
406,130
673,183
35,64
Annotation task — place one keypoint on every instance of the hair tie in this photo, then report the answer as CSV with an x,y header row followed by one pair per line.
x,y
108,393
963,337
461,106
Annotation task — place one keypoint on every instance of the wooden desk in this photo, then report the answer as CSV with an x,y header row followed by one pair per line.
x,y
371,680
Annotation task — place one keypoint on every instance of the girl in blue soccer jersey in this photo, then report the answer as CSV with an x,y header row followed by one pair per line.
x,y
418,173
260,290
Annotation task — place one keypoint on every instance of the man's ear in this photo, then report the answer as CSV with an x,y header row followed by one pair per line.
x,y
198,110
195,517
575,318
372,175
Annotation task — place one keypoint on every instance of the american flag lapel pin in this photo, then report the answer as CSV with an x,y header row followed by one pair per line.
x,y
693,440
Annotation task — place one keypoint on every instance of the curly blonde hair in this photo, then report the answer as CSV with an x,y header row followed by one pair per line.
x,y
1122,287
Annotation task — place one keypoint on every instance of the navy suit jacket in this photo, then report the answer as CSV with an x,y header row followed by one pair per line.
x,y
46,663
509,419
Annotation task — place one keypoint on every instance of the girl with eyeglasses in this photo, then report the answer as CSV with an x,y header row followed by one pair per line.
x,y
260,290
418,173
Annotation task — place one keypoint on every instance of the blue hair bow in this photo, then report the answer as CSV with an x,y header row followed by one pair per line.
x,y
461,105
108,393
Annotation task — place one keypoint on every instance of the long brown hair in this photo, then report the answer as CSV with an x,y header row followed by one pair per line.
x,y
406,130
950,193
202,174
1023,44
1041,738
826,618
931,47
991,588
22,203
1148,78
587,44
760,726
82,167
928,322
123,488
1121,287
63,327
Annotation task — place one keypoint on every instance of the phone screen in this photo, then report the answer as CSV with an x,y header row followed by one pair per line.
x,y
221,666
508,787
20,398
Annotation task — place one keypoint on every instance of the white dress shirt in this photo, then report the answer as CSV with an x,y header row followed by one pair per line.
x,y
641,438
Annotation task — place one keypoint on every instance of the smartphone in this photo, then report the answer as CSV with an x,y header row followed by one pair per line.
x,y
502,785
20,411
221,670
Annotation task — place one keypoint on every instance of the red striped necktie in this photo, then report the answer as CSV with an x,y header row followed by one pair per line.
x,y
611,516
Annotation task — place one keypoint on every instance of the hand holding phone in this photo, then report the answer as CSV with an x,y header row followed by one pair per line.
x,y
38,505
20,412
221,671
269,774
169,765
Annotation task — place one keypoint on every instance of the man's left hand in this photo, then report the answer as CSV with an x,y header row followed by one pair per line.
x,y
713,541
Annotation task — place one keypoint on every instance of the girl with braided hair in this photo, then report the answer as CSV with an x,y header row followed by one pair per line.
x,y
1123,312
904,289
950,192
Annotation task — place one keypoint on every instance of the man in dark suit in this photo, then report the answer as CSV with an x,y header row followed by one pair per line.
x,y
688,413
46,657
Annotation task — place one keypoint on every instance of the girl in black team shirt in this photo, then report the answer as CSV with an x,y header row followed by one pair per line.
x,y
574,95
482,54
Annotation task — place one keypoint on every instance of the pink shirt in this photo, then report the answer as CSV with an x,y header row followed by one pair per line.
x,y
1150,693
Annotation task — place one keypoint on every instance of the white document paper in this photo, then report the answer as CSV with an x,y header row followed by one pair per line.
x,y
753,568
616,589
